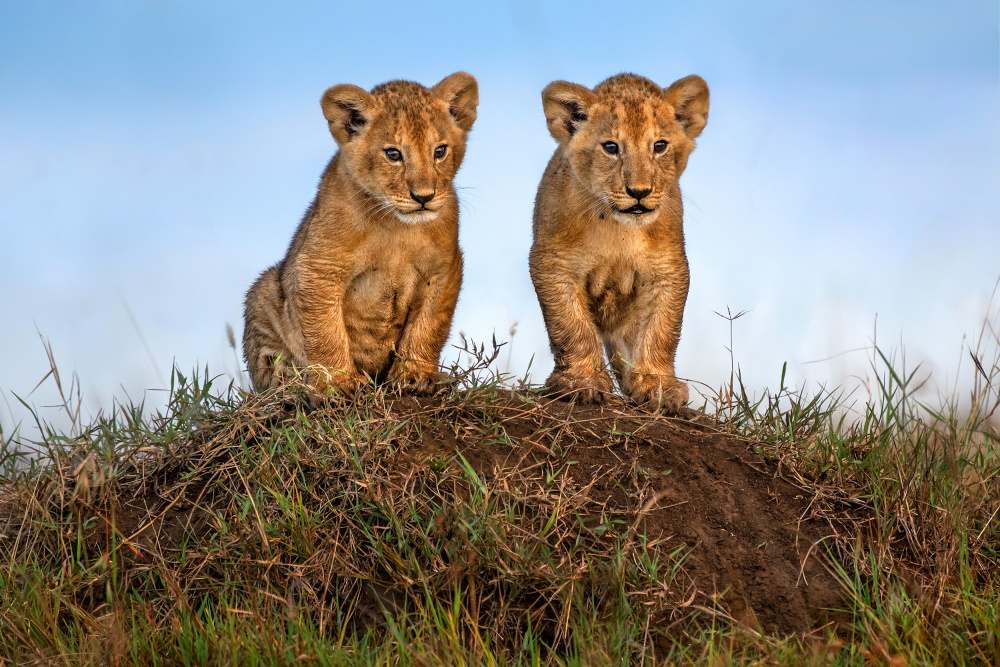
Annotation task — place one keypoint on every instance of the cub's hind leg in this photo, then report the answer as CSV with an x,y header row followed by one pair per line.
x,y
268,345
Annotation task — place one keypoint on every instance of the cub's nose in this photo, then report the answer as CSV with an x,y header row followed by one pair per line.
x,y
638,193
422,197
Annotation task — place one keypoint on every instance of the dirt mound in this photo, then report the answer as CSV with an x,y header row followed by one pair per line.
x,y
743,536
750,542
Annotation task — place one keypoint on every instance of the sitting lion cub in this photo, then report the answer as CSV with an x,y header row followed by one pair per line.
x,y
608,259
369,285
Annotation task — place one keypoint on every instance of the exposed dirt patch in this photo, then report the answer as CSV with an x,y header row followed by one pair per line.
x,y
750,540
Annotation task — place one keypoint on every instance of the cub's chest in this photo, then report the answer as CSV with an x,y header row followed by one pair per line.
x,y
617,272
392,270
613,260
612,288
387,289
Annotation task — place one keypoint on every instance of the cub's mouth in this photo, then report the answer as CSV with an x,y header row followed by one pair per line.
x,y
638,209
417,216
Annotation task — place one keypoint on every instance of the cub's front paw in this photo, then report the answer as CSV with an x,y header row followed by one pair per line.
x,y
655,390
330,385
421,382
583,389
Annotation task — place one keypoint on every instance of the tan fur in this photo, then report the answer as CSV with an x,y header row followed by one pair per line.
x,y
607,280
369,285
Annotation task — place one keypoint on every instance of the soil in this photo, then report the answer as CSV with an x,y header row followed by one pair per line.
x,y
752,543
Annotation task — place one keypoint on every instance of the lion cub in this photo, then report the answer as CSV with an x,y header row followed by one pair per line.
x,y
369,285
608,260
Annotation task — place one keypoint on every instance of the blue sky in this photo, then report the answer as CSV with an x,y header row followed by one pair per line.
x,y
156,156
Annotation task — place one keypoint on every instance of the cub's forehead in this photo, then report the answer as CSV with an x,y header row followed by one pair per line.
x,y
632,115
630,103
408,110
628,85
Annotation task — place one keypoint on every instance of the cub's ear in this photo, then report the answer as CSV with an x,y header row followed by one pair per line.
x,y
461,92
566,108
689,97
346,109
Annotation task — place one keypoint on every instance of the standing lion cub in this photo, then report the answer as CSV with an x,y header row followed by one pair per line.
x,y
608,260
369,285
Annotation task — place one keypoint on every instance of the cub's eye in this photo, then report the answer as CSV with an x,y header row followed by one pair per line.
x,y
659,146
610,147
393,154
440,152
